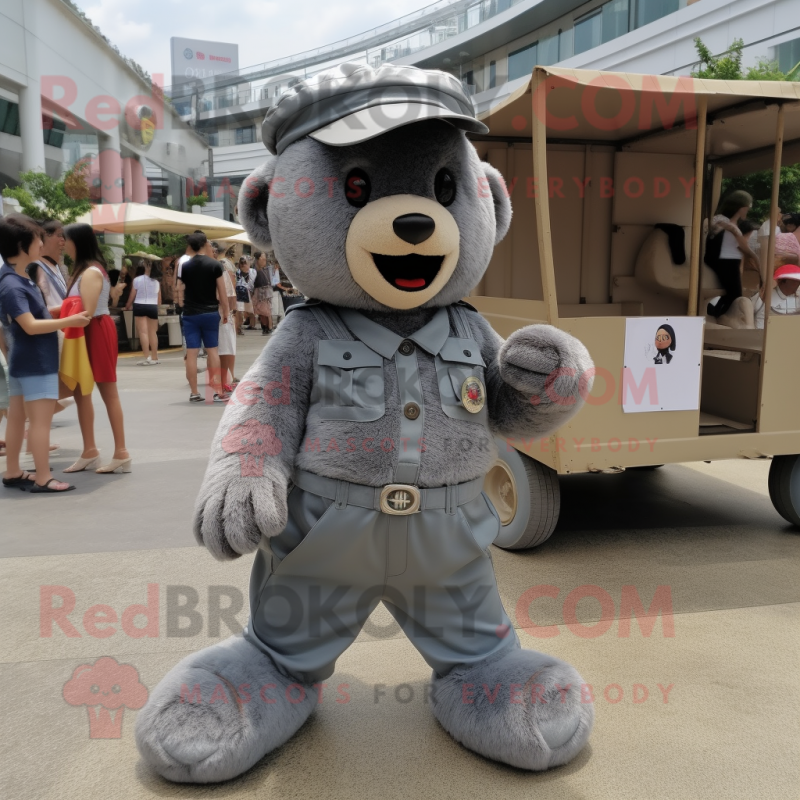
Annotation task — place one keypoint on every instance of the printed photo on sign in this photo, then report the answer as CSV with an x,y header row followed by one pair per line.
x,y
662,364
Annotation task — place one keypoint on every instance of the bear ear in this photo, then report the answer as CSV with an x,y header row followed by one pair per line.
x,y
252,204
502,204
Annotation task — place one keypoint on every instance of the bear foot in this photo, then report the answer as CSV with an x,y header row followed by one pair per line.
x,y
218,712
524,709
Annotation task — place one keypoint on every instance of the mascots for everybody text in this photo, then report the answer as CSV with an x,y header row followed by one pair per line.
x,y
346,472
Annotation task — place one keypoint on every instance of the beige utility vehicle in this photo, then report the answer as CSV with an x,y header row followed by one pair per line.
x,y
593,161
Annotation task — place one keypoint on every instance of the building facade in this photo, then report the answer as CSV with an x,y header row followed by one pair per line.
x,y
67,95
492,46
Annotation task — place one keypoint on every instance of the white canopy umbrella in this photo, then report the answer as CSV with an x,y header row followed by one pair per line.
x,y
141,218
241,238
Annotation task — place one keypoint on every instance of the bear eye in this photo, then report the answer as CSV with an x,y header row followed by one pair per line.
x,y
116,688
444,187
357,188
95,688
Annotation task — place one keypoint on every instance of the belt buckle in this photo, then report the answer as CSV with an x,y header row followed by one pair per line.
x,y
400,499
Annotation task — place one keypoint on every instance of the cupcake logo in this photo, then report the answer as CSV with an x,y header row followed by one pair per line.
x,y
106,688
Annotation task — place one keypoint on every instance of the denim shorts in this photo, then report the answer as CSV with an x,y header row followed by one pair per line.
x,y
201,329
34,387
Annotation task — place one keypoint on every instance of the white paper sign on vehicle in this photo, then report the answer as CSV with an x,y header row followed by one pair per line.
x,y
662,364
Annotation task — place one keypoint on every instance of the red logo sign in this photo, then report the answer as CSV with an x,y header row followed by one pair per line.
x,y
106,688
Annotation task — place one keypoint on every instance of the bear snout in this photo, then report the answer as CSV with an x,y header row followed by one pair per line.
x,y
414,228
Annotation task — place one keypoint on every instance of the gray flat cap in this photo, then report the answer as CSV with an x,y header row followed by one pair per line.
x,y
353,103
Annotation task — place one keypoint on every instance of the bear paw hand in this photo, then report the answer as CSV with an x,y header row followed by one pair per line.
x,y
547,364
233,513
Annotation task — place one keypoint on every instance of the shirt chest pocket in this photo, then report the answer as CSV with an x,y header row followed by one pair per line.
x,y
349,382
460,371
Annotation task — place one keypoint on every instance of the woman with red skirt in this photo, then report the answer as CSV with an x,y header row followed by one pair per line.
x,y
90,281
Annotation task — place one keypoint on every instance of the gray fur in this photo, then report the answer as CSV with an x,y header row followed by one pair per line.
x,y
474,705
252,206
502,205
549,371
208,742
233,510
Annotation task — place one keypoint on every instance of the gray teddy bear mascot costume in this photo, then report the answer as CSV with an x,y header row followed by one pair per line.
x,y
341,462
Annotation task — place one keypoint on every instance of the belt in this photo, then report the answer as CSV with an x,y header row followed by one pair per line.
x,y
398,499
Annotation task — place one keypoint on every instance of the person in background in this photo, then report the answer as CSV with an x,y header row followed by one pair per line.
x,y
790,223
52,275
245,280
144,300
784,297
3,384
262,293
203,293
178,286
727,267
168,279
32,356
90,281
227,330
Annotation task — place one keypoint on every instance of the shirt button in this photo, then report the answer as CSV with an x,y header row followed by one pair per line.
x,y
347,356
468,353
406,348
411,410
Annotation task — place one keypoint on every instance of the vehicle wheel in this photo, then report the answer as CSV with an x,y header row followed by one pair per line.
x,y
526,496
784,487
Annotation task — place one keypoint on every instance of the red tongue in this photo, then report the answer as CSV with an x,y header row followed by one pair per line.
x,y
414,283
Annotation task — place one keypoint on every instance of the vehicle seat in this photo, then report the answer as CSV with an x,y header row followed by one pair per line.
x,y
655,268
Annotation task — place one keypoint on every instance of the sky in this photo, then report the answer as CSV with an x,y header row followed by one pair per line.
x,y
263,29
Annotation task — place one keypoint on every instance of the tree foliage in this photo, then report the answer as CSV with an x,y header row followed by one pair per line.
x,y
40,196
759,185
728,67
161,244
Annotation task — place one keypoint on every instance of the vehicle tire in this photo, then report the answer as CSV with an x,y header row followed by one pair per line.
x,y
526,496
784,487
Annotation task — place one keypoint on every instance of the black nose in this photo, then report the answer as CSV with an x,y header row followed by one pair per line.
x,y
414,228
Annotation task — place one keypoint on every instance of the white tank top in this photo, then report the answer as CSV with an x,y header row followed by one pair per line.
x,y
102,301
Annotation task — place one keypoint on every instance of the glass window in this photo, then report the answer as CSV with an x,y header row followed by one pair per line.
x,y
549,52
787,55
53,131
521,62
565,39
245,135
213,138
492,74
615,19
588,32
650,10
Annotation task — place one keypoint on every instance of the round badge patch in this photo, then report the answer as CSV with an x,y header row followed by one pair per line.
x,y
473,395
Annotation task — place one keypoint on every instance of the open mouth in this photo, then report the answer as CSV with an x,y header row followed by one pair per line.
x,y
410,273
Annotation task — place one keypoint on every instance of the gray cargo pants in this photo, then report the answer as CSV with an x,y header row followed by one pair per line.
x,y
313,586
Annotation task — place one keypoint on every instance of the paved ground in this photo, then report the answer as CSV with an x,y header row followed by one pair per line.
x,y
705,706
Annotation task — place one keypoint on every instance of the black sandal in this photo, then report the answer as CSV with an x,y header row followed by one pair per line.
x,y
47,490
23,481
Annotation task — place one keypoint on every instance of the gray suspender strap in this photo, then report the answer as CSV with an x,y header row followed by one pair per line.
x,y
330,323
460,322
